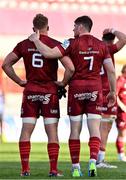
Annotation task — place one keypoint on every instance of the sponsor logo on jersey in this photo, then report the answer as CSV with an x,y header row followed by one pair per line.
x,y
89,52
65,44
92,96
32,49
43,98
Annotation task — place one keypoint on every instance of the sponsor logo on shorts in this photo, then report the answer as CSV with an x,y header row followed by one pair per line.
x,y
104,108
122,124
99,108
114,109
53,111
69,109
92,96
43,98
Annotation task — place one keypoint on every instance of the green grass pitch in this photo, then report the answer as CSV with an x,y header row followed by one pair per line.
x,y
10,162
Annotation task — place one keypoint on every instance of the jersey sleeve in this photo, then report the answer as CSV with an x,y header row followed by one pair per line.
x,y
119,84
17,50
107,56
113,49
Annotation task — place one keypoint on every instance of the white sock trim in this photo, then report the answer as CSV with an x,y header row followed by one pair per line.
x,y
101,152
76,165
92,160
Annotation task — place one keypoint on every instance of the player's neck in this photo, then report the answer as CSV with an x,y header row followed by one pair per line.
x,y
84,33
44,33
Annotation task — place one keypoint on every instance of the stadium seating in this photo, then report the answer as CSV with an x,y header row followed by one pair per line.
x,y
94,5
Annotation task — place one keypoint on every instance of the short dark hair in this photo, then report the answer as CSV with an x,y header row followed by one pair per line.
x,y
40,21
108,37
86,21
123,69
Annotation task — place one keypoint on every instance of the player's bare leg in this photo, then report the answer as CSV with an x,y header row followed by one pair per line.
x,y
1,129
93,123
25,145
74,144
105,127
51,125
120,144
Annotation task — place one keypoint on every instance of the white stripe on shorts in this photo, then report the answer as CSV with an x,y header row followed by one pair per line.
x,y
109,119
93,116
29,120
50,120
76,118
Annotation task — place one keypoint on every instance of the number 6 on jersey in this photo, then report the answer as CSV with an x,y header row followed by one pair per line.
x,y
37,61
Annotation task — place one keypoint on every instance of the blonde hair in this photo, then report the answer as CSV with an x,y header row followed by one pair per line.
x,y
40,21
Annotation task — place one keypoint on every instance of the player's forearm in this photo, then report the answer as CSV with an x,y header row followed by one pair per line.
x,y
42,48
11,73
112,81
121,36
46,51
121,104
67,76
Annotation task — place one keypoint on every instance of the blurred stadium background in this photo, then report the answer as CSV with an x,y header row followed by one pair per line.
x,y
16,24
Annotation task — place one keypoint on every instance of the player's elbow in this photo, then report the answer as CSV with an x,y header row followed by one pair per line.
x,y
72,70
4,66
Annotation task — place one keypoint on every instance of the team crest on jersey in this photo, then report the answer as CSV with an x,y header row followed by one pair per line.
x,y
90,48
65,44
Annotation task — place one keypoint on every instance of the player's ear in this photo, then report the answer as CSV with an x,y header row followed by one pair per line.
x,y
37,32
47,28
33,29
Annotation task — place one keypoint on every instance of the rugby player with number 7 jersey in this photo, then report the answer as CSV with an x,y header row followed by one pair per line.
x,y
88,55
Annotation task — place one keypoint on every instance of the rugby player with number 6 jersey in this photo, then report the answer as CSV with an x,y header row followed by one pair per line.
x,y
40,96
